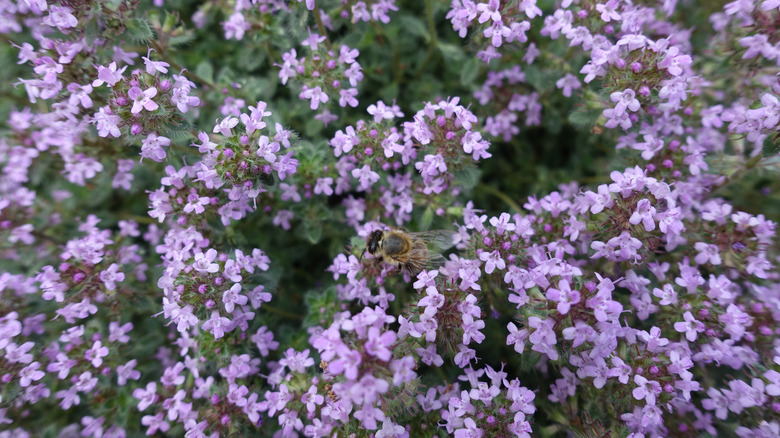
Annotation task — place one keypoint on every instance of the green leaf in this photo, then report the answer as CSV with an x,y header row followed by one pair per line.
x,y
205,70
583,118
540,80
112,4
468,177
182,39
414,26
470,71
169,22
451,52
91,30
426,219
139,30
390,92
313,230
771,146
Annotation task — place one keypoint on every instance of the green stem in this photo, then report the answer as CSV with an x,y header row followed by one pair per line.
x,y
753,162
281,312
433,42
321,25
501,195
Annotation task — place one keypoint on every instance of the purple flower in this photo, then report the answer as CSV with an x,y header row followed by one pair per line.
x,y
311,399
690,326
646,389
153,67
668,295
110,276
315,95
217,325
492,261
147,396
61,17
233,296
142,99
30,373
108,75
707,253
625,100
96,354
203,262
568,83
644,213
564,296
470,430
674,61
155,423
127,372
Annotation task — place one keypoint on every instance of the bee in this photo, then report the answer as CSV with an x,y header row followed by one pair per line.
x,y
414,251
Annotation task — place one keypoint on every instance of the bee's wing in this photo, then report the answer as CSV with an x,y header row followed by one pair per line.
x,y
437,240
416,260
420,258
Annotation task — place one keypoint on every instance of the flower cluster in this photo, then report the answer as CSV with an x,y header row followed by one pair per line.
x,y
325,74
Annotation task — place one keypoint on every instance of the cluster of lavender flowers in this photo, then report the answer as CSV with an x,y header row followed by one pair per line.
x,y
138,187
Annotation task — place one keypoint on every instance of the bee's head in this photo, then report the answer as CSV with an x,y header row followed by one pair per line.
x,y
374,241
